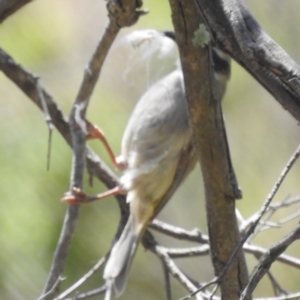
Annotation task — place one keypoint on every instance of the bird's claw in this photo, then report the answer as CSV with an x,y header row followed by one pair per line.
x,y
78,197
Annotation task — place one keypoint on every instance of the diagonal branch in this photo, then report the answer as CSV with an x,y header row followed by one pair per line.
x,y
235,30
267,260
82,280
150,243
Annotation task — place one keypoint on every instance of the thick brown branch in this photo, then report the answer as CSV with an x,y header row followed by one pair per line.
x,y
236,31
210,140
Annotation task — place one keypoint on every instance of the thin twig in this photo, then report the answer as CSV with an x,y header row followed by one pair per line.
x,y
174,270
275,188
59,280
47,118
44,106
179,233
264,208
277,288
270,212
203,287
289,218
214,291
267,260
248,248
167,282
262,211
82,280
260,214
99,291
150,243
62,250
188,252
286,202
196,236
283,258
292,296
93,69
278,224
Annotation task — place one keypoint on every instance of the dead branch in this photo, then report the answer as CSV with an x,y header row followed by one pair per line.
x,y
235,30
268,259
206,116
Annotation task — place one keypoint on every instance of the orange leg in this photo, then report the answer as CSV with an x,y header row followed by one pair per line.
x,y
80,197
94,132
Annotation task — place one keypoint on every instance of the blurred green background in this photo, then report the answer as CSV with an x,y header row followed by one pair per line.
x,y
55,39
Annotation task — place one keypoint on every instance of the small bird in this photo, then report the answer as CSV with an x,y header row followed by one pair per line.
x,y
157,154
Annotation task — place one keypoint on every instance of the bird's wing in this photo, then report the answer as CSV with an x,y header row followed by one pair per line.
x,y
186,164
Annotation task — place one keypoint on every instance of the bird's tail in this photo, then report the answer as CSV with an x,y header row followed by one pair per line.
x,y
118,265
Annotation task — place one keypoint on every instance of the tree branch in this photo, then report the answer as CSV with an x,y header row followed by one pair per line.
x,y
293,296
29,84
179,233
78,143
174,270
206,117
168,289
284,258
82,280
123,13
236,31
267,260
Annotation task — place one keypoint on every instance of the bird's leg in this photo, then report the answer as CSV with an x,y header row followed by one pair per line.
x,y
80,197
94,132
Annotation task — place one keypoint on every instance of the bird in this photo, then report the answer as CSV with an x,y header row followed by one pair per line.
x,y
157,154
